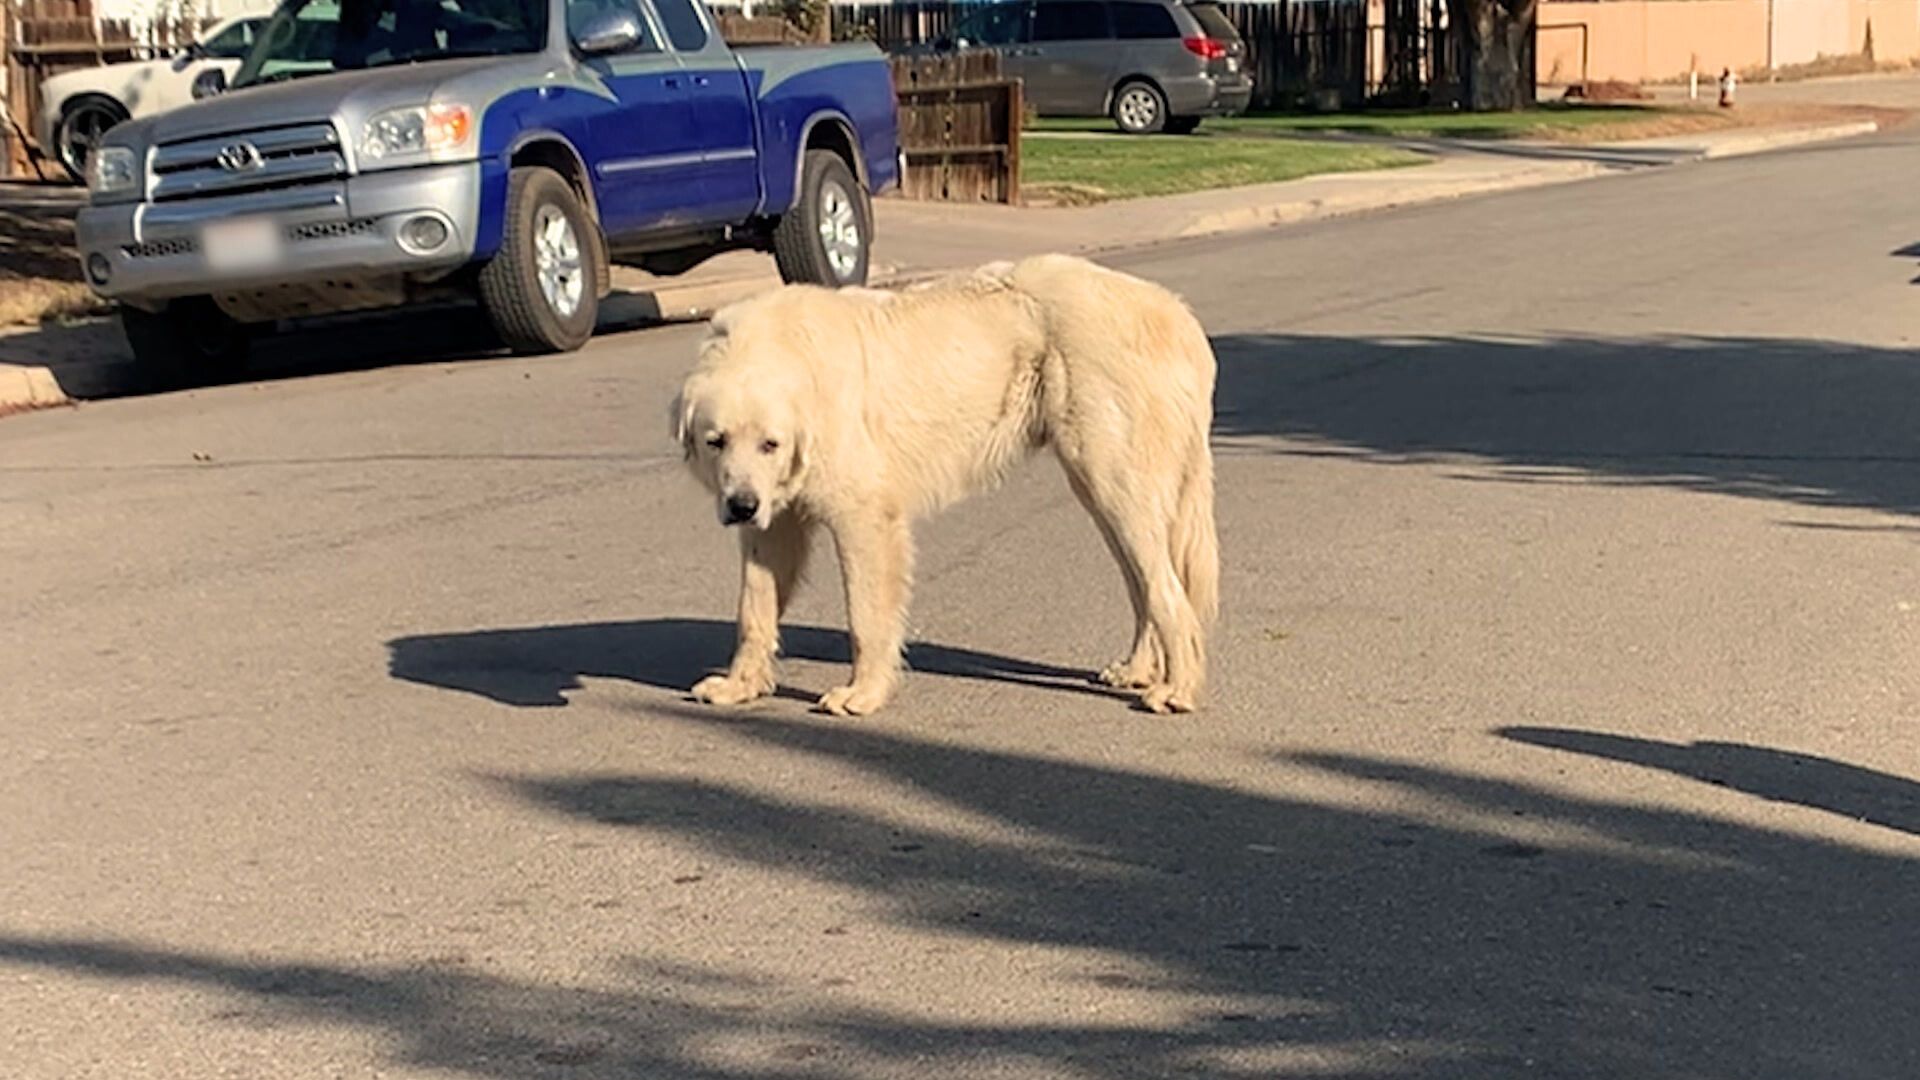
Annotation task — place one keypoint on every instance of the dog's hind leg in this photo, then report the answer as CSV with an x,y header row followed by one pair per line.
x,y
771,561
876,563
1143,665
1137,502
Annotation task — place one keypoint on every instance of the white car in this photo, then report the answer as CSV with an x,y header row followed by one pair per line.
x,y
79,106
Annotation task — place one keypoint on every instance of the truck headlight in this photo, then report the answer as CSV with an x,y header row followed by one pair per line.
x,y
440,132
113,170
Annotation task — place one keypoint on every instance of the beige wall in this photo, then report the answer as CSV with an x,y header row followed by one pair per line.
x,y
1651,40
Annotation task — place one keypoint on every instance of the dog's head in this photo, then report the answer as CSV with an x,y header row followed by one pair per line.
x,y
740,428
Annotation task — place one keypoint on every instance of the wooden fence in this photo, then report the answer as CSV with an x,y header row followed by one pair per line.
x,y
43,38
959,127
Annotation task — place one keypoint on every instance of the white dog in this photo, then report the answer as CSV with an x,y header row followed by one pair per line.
x,y
862,411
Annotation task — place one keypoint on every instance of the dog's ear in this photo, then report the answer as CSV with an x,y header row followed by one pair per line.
x,y
681,417
802,458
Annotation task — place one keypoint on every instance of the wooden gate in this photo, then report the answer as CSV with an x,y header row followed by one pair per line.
x,y
959,127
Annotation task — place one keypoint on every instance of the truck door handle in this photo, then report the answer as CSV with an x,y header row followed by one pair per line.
x,y
672,82
701,80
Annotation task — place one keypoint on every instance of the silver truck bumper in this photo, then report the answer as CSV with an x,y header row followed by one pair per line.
x,y
342,233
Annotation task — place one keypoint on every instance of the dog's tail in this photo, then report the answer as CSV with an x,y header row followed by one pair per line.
x,y
1194,539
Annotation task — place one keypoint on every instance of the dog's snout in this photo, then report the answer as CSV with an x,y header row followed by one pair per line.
x,y
741,507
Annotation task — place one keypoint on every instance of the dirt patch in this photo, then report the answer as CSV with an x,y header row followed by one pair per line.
x,y
39,268
1707,117
1825,67
1603,92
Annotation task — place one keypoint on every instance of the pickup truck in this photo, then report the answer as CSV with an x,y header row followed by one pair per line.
x,y
375,153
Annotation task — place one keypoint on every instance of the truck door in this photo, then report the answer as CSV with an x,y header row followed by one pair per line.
x,y
641,145
729,175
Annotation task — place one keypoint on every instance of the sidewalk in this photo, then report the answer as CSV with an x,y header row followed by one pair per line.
x,y
49,365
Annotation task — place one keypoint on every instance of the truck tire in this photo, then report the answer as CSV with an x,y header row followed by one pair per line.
x,y
187,344
539,289
825,238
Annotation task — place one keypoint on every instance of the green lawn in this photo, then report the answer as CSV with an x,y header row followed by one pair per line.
x,y
1128,167
1547,121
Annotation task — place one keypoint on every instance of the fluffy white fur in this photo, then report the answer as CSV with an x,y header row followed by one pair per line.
x,y
862,411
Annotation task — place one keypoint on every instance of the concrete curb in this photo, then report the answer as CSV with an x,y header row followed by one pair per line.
x,y
1386,198
27,387
1753,141
1738,145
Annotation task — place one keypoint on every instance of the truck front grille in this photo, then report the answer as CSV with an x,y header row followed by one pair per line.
x,y
248,161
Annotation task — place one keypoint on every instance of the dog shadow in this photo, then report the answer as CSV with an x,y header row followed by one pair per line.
x,y
534,667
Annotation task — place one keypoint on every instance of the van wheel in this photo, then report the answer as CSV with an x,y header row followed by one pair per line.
x,y
540,288
83,122
825,238
1182,125
187,344
1139,108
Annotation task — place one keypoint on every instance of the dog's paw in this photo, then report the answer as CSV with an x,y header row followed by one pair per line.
x,y
855,700
1166,698
1128,675
729,690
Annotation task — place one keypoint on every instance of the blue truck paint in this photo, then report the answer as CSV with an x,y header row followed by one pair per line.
x,y
705,144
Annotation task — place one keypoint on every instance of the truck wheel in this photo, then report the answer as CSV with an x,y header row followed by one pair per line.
x,y
540,289
187,344
824,239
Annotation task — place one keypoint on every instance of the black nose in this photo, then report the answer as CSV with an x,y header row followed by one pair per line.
x,y
742,507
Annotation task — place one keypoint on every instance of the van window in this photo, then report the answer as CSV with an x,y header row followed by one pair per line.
x,y
1214,22
1133,21
998,24
1070,20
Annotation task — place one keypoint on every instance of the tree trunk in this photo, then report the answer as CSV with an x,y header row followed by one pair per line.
x,y
1494,41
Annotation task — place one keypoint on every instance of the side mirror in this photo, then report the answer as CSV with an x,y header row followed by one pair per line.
x,y
607,32
209,83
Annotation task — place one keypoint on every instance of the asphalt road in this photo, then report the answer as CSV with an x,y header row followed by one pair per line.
x,y
1564,719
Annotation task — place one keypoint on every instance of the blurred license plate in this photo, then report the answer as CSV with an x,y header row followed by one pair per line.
x,y
1233,63
245,244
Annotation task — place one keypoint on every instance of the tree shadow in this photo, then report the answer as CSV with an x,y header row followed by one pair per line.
x,y
1815,422
1490,929
535,666
1853,792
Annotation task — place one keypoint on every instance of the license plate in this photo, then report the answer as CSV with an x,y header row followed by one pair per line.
x,y
1233,63
242,244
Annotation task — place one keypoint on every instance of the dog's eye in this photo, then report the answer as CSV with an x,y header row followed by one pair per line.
x,y
717,441
768,446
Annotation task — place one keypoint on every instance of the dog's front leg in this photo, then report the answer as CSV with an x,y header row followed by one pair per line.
x,y
770,564
876,563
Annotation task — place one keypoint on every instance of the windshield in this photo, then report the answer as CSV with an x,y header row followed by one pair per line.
x,y
314,37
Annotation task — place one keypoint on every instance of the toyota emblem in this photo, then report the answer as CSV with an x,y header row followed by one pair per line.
x,y
239,157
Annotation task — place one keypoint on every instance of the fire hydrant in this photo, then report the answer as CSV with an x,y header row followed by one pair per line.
x,y
1727,81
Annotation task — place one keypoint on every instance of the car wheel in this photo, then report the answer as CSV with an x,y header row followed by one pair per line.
x,y
1182,125
83,123
540,289
825,238
188,343
1139,108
